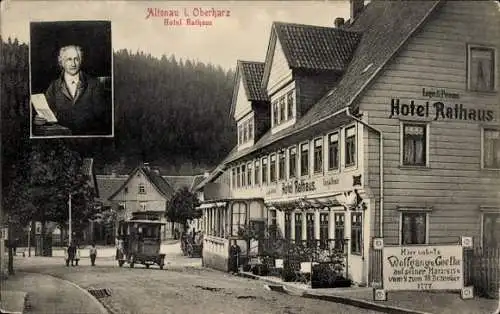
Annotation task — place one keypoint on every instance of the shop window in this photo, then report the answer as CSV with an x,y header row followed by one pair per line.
x,y
414,144
356,233
290,102
413,228
288,226
491,230
257,172
318,155
310,230
491,149
281,165
264,170
238,217
333,151
339,231
323,230
292,162
142,188
298,228
350,146
304,159
272,166
273,226
481,68
249,174
275,113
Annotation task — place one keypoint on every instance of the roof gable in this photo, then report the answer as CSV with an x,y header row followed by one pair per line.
x,y
386,26
108,185
248,79
155,179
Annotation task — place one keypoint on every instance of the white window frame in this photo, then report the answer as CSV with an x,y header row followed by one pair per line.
x,y
294,110
299,151
262,170
485,210
468,61
357,146
257,173
484,128
322,140
278,159
250,179
401,143
141,189
339,147
275,155
288,162
420,210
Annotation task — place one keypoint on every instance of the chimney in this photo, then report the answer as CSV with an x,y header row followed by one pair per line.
x,y
356,8
339,22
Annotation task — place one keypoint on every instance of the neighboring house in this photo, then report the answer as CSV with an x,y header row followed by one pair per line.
x,y
146,190
386,125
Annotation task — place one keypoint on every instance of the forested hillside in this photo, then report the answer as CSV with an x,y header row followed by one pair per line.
x,y
170,112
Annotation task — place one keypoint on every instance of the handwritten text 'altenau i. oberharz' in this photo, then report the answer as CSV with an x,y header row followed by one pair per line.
x,y
195,16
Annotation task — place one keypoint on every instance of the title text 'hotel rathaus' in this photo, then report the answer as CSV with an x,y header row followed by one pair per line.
x,y
384,125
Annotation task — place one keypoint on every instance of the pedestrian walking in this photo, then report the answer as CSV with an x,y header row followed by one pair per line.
x,y
234,253
93,254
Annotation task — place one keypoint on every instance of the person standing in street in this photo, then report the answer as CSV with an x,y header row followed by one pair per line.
x,y
93,254
71,254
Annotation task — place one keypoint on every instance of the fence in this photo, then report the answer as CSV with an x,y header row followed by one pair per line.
x,y
481,270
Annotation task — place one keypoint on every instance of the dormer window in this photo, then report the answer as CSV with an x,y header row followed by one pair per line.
x,y
142,188
275,113
290,104
283,106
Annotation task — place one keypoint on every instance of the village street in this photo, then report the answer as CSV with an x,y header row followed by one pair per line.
x,y
182,287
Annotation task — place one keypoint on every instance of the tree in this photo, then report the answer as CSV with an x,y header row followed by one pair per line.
x,y
183,207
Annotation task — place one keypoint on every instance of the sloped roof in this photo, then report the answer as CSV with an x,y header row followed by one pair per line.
x,y
386,26
162,186
316,47
251,73
109,184
179,182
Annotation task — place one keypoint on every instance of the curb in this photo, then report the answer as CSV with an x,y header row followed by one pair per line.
x,y
364,304
103,309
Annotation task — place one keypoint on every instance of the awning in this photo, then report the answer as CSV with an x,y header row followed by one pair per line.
x,y
304,203
212,205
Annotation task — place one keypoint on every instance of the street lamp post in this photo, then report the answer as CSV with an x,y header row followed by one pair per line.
x,y
69,220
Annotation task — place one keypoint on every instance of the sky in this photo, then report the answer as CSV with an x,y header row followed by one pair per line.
x,y
243,35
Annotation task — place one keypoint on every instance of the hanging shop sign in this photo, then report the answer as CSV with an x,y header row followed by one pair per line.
x,y
438,110
435,267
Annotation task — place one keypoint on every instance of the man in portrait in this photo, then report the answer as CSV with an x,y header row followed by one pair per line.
x,y
77,99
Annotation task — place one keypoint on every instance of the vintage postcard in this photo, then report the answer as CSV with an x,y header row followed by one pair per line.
x,y
333,156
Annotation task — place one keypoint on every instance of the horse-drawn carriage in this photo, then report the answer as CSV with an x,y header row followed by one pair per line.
x,y
140,242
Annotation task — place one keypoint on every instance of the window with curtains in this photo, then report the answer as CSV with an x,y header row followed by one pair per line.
x,y
318,155
304,159
292,162
491,230
290,103
481,68
414,144
264,170
356,233
333,151
323,230
298,228
275,113
310,229
414,228
491,149
249,174
288,226
339,230
243,175
257,172
272,168
350,146
238,218
282,107
281,165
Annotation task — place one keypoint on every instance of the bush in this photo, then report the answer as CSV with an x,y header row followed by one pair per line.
x,y
326,275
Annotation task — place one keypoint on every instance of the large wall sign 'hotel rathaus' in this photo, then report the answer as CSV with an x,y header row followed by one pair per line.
x,y
442,111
